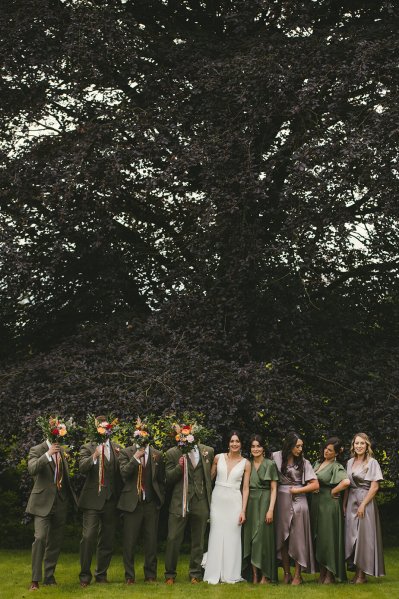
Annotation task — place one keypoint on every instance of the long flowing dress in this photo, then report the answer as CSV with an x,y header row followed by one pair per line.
x,y
363,539
327,520
292,518
223,563
259,542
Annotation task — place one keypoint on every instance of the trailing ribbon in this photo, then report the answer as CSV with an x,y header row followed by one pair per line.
x,y
185,486
101,469
140,481
58,471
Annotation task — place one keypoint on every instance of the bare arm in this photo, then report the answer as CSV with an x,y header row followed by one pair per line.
x,y
311,487
214,467
344,484
245,492
273,496
369,497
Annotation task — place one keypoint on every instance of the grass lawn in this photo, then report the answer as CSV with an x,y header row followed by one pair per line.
x,y
15,577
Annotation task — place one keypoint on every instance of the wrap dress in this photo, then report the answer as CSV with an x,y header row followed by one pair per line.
x,y
363,539
292,518
259,548
327,520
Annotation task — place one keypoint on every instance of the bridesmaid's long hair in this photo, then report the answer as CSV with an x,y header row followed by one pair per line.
x,y
369,451
289,442
338,448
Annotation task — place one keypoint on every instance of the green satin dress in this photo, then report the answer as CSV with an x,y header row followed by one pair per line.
x,y
259,540
327,520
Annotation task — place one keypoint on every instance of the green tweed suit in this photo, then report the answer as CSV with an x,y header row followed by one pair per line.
x,y
49,507
99,510
199,501
141,517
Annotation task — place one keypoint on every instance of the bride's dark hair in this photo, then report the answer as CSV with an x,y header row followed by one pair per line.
x,y
288,444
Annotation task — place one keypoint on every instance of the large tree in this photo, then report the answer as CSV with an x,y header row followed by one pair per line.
x,y
225,174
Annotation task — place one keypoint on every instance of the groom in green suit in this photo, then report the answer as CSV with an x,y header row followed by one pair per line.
x,y
48,503
143,473
99,508
199,462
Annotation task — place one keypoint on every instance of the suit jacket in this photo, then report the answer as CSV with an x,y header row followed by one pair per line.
x,y
129,468
44,490
90,498
174,474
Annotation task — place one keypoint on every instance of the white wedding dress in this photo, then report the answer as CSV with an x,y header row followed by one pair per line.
x,y
223,561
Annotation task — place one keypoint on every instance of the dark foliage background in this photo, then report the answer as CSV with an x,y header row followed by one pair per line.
x,y
199,211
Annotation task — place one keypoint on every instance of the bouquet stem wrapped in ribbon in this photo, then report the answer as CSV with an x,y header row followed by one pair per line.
x,y
186,441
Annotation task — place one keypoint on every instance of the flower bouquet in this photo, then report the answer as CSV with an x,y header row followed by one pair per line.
x,y
141,434
99,430
55,428
184,436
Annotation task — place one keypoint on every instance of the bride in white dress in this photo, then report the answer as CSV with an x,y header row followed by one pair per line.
x,y
228,505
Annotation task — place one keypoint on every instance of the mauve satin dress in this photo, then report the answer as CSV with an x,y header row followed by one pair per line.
x,y
292,517
363,539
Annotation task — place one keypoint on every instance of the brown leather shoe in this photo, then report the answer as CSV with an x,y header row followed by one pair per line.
x,y
84,584
34,586
170,581
195,581
130,581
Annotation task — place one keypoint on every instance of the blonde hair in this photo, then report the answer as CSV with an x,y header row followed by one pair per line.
x,y
369,451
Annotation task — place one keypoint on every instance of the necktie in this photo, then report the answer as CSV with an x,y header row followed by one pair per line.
x,y
143,475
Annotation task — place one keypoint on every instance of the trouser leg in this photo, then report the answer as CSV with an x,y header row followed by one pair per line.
x,y
132,522
199,514
150,537
91,519
176,526
42,525
54,538
106,536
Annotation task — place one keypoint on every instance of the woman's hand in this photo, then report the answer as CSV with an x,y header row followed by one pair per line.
x,y
269,517
295,490
241,518
360,511
334,495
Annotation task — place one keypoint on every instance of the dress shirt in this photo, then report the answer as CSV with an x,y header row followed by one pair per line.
x,y
194,456
107,451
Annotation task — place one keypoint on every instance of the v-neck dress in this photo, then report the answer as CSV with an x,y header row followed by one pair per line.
x,y
363,538
259,548
327,520
223,562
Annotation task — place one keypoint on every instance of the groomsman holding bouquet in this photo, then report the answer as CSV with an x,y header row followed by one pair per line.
x,y
188,473
98,460
50,497
143,474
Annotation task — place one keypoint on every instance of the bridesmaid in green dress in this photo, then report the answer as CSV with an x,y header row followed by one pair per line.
x,y
326,515
259,550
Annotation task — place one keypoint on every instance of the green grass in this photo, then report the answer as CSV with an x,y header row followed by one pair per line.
x,y
15,577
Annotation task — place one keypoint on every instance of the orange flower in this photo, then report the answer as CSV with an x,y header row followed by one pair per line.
x,y
186,430
63,431
177,437
101,430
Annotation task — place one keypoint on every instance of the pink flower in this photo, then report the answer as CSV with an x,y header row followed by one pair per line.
x,y
190,438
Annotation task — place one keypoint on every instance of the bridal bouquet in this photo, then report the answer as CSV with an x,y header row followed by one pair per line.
x,y
55,427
